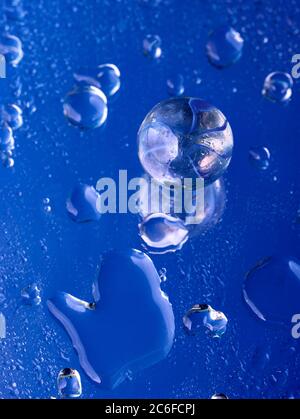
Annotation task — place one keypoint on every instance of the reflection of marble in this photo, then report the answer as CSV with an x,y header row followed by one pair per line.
x,y
214,204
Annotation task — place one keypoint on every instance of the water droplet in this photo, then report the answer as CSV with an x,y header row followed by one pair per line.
x,y
11,48
106,77
272,289
224,47
175,85
163,274
14,10
86,107
69,383
152,46
12,115
31,295
185,138
204,316
163,233
128,301
7,142
82,205
278,87
260,157
219,396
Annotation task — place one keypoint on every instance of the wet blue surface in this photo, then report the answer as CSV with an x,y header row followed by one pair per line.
x,y
253,358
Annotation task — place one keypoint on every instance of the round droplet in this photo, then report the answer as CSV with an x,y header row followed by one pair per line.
x,y
109,78
162,233
185,138
202,316
175,85
224,47
8,161
106,77
278,87
11,48
69,383
272,289
82,204
7,142
86,107
31,295
12,115
152,46
219,396
260,157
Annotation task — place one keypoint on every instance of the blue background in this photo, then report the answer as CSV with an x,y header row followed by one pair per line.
x,y
59,37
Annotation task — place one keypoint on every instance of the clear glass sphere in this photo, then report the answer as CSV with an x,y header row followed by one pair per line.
x,y
185,137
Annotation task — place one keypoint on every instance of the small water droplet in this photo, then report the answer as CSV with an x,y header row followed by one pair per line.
x,y
86,107
224,47
278,87
260,157
163,233
82,204
69,383
152,46
204,316
31,295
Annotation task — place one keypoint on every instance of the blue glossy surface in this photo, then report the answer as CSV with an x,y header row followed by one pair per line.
x,y
59,37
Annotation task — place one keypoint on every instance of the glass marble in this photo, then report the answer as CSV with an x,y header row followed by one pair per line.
x,y
224,47
185,137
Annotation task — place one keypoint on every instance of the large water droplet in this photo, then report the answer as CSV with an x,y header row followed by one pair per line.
x,y
202,316
272,289
69,383
86,107
129,325
224,46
